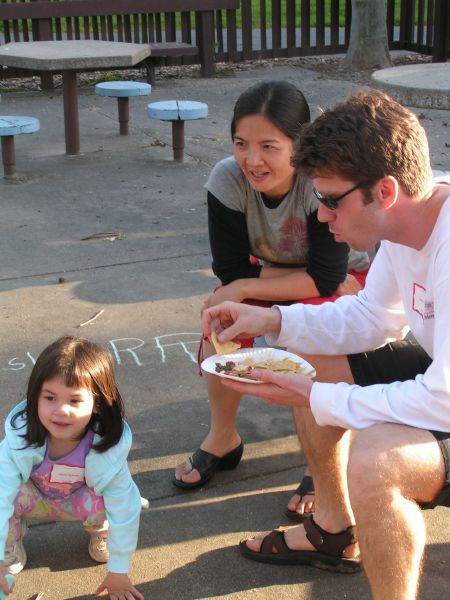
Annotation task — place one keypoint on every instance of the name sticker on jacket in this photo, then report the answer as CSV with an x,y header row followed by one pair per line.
x,y
66,474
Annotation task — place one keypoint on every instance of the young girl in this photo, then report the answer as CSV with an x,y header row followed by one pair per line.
x,y
64,458
259,206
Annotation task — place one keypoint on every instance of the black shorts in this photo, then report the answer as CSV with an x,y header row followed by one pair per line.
x,y
400,361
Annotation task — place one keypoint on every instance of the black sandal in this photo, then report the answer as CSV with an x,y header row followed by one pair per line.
x,y
306,488
329,546
207,464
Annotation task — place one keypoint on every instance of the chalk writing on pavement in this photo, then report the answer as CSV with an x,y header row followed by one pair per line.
x,y
132,350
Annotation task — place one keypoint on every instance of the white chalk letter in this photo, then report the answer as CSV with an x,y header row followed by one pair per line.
x,y
129,349
164,341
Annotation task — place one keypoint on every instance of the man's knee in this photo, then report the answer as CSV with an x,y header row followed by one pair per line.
x,y
363,477
389,459
370,469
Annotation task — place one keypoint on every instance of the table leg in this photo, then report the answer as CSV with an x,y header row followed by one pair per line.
x,y
178,140
124,114
8,156
71,123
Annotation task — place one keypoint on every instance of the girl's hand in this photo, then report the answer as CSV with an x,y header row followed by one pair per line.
x,y
233,291
3,583
119,587
350,286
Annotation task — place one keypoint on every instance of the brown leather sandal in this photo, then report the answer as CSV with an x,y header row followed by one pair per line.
x,y
329,546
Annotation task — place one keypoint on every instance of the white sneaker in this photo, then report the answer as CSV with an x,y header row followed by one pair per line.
x,y
97,548
16,557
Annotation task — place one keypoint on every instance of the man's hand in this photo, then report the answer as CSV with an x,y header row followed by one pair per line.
x,y
281,389
119,587
231,320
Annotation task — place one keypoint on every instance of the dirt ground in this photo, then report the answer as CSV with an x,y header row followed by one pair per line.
x,y
328,66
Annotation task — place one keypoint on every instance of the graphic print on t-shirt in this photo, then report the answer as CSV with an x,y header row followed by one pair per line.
x,y
295,238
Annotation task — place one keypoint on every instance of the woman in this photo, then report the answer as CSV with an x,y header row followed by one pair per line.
x,y
267,246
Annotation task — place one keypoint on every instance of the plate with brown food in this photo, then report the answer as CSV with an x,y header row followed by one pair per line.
x,y
239,364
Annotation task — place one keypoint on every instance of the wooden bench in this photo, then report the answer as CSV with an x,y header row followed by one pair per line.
x,y
9,127
162,50
43,13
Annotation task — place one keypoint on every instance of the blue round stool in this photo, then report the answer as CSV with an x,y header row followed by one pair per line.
x,y
9,127
177,111
122,90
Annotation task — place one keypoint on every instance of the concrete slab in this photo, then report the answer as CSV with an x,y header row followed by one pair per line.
x,y
70,54
150,280
422,85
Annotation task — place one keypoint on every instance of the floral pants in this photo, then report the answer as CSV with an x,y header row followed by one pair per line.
x,y
81,505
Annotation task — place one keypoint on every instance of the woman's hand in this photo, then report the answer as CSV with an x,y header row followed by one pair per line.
x,y
281,389
231,320
350,286
233,292
119,587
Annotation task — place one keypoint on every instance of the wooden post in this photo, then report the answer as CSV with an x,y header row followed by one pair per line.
x,y
42,32
441,31
206,42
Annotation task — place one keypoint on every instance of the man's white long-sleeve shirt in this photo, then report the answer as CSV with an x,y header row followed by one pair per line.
x,y
405,288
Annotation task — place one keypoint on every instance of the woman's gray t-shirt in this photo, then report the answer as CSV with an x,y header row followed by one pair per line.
x,y
277,236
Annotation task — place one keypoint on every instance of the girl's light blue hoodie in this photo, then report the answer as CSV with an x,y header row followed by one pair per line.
x,y
106,473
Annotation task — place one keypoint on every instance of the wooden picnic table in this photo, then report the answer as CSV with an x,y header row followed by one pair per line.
x,y
70,56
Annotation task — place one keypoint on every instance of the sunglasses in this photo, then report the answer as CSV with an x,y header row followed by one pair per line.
x,y
332,203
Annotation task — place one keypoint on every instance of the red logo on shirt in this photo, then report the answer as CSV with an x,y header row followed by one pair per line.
x,y
420,305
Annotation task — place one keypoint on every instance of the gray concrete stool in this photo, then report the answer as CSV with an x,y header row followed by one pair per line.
x,y
177,111
9,127
122,90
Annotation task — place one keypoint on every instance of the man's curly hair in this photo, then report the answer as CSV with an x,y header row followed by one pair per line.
x,y
365,138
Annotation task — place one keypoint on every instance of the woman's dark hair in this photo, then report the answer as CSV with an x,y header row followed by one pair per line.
x,y
280,102
80,363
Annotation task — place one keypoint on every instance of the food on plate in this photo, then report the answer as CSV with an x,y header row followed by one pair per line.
x,y
243,368
223,347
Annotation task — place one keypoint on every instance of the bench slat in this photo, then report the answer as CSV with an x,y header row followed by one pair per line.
x,y
43,9
161,49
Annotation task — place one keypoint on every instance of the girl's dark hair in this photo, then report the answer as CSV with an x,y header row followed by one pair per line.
x,y
80,363
280,102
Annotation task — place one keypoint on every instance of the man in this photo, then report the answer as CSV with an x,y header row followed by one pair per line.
x,y
369,161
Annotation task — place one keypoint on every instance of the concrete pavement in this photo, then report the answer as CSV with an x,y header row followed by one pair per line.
x,y
425,85
150,281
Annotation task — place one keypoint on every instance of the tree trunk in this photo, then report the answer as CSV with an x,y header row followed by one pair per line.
x,y
368,47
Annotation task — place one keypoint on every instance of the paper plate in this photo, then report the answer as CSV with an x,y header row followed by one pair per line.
x,y
258,354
